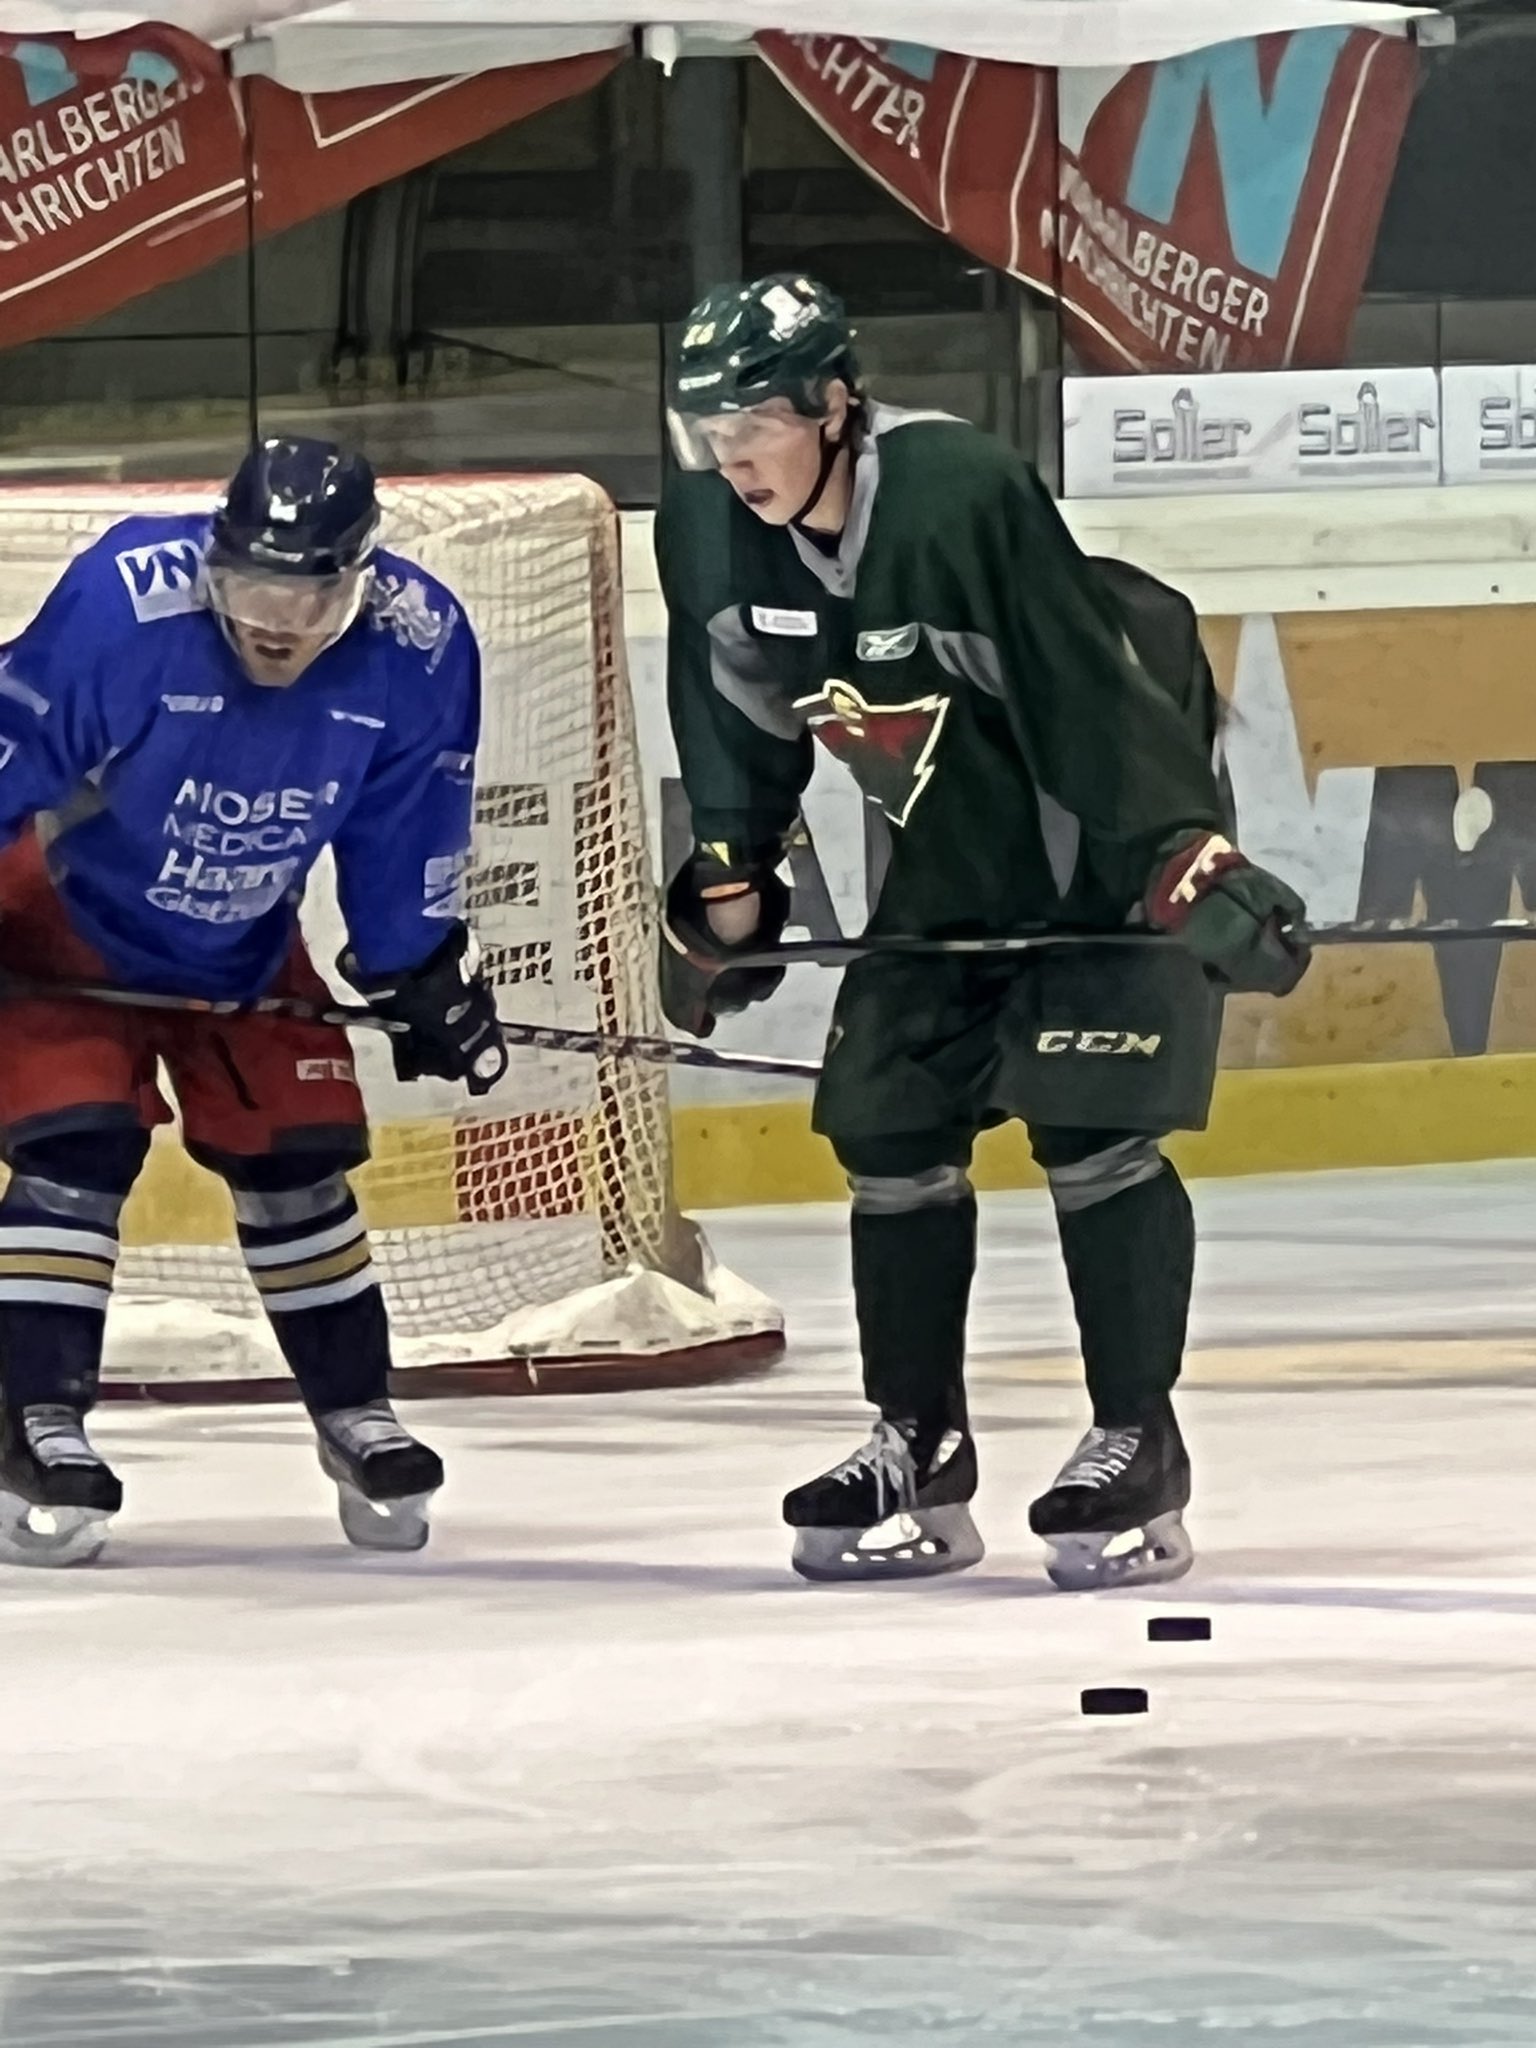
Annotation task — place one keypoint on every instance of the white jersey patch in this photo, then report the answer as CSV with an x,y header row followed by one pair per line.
x,y
784,624
443,885
163,581
893,643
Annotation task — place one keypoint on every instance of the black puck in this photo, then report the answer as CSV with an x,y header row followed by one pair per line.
x,y
1114,1699
1179,1628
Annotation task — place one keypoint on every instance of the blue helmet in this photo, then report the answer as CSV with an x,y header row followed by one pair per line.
x,y
296,508
290,553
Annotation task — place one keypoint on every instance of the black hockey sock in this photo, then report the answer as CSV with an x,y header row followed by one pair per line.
x,y
317,1284
912,1273
1130,1263
55,1281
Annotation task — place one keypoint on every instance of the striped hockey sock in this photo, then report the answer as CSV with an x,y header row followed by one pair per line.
x,y
56,1267
307,1251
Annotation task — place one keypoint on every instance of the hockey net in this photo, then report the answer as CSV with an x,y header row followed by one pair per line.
x,y
529,1239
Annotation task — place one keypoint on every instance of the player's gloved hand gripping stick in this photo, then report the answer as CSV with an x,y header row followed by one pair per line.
x,y
444,1015
703,973
1241,922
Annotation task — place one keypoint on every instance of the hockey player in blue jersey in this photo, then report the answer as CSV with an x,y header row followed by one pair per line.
x,y
199,708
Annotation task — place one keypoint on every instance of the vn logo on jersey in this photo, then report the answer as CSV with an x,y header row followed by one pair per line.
x,y
164,581
888,748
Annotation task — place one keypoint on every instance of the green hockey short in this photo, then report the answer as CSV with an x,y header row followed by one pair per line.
x,y
926,1051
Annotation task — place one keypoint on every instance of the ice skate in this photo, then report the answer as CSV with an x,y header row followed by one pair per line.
x,y
57,1497
1114,1515
384,1478
897,1509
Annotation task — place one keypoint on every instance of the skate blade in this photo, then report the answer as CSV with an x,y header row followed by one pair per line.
x,y
383,1524
50,1538
905,1547
1095,1560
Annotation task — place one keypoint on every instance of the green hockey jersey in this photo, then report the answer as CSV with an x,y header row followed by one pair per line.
x,y
969,665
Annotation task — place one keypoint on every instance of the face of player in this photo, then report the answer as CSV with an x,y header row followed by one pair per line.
x,y
771,458
279,626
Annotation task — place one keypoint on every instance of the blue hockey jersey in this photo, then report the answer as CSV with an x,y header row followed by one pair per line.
x,y
184,805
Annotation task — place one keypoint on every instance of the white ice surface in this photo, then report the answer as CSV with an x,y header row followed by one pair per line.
x,y
596,1770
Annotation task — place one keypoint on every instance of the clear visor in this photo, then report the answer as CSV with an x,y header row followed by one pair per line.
x,y
289,607
716,440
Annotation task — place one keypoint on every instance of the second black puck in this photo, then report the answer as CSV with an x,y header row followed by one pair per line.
x,y
1179,1628
1115,1699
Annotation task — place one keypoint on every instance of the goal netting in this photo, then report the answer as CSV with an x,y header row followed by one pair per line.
x,y
528,1238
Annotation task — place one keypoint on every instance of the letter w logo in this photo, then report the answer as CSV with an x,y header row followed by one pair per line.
x,y
1263,150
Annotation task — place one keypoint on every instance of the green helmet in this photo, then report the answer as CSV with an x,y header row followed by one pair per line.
x,y
784,336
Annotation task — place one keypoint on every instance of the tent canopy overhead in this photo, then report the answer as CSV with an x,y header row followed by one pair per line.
x,y
326,45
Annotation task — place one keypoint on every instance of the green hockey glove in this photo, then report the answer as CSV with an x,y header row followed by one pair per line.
x,y
1238,919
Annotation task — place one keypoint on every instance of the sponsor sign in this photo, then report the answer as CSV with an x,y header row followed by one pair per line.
x,y
1216,211
1289,431
123,158
1489,431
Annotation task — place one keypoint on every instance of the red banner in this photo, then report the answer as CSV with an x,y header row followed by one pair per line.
x,y
1216,211
122,159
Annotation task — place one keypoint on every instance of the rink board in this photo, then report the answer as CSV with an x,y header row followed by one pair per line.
x,y
1278,1120
1286,1120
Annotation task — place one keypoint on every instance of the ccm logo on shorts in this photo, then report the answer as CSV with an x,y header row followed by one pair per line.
x,y
1115,1042
324,1070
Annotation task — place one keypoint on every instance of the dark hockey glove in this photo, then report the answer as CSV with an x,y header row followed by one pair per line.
x,y
1236,918
451,1015
698,982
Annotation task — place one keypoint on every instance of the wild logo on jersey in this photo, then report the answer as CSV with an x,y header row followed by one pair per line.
x,y
888,748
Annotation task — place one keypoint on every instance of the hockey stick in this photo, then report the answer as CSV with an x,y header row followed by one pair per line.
x,y
352,1017
662,1051
1380,932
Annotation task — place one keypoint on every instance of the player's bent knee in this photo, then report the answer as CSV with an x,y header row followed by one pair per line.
x,y
58,1256
84,1175
292,1184
303,1238
1100,1176
898,1194
281,1208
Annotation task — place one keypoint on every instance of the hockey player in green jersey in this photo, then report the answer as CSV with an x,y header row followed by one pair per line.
x,y
1039,733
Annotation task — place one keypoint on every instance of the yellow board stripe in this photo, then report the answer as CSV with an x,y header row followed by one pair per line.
x,y
1272,1120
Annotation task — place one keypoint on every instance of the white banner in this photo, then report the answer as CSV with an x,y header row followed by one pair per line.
x,y
1285,430
1489,429
316,45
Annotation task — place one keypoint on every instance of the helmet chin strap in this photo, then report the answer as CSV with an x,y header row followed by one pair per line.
x,y
832,445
